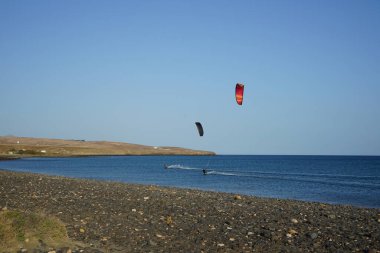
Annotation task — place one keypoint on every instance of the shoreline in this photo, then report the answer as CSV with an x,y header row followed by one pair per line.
x,y
364,201
122,217
7,158
186,188
193,188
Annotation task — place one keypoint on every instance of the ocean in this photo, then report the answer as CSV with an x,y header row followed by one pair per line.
x,y
348,180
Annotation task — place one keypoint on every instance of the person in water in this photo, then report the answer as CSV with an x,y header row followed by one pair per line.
x,y
204,172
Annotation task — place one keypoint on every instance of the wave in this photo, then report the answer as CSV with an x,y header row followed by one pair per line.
x,y
181,167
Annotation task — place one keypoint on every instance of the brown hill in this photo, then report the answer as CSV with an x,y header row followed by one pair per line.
x,y
11,146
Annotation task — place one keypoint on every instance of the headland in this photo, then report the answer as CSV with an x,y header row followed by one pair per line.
x,y
17,147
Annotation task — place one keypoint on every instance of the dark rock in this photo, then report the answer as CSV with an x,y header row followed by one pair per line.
x,y
313,235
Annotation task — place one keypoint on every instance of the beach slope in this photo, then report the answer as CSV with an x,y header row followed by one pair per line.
x,y
118,217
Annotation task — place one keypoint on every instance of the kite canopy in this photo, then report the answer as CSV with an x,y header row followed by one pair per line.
x,y
239,91
200,128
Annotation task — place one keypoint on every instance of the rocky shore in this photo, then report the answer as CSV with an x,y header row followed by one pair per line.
x,y
118,217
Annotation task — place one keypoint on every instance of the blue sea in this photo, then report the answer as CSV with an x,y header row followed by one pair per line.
x,y
348,180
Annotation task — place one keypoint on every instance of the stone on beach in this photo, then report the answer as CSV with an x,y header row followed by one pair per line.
x,y
313,235
237,197
295,221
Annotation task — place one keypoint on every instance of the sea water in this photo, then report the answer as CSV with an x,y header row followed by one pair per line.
x,y
350,180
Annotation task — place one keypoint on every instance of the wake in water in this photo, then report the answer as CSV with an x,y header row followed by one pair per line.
x,y
214,172
300,177
205,171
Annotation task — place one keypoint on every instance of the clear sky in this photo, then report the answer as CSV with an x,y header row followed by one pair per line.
x,y
144,71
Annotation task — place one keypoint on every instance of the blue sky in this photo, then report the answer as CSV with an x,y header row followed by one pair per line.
x,y
144,71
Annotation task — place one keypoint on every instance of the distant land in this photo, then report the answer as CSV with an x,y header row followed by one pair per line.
x,y
16,147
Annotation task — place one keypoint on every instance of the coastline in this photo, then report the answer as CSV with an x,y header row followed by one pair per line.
x,y
5,158
120,217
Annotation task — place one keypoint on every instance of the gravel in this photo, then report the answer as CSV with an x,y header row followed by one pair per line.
x,y
119,217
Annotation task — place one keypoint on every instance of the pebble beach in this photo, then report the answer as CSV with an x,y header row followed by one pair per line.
x,y
120,217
